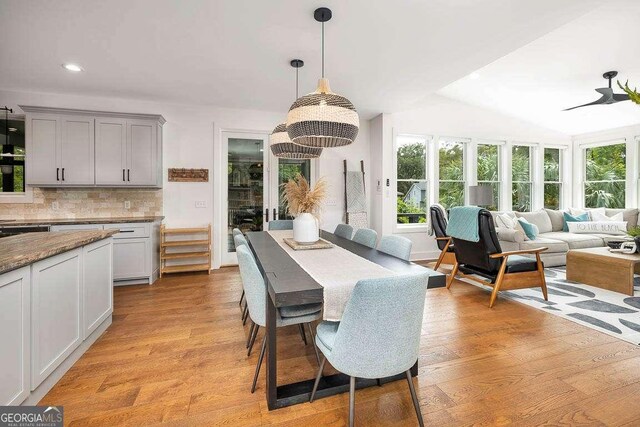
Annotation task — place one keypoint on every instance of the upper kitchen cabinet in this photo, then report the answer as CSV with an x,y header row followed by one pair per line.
x,y
81,148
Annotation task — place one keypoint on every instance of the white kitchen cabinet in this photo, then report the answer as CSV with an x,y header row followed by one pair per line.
x,y
43,133
56,315
92,148
97,277
136,251
76,151
60,150
111,146
15,336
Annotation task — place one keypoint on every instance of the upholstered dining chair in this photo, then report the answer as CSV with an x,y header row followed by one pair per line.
x,y
344,230
439,227
484,259
398,246
256,299
236,231
378,335
366,236
240,240
281,224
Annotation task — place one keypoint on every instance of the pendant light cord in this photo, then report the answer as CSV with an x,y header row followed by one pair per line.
x,y
323,50
297,68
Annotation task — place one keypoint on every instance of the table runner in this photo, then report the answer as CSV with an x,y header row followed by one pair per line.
x,y
337,270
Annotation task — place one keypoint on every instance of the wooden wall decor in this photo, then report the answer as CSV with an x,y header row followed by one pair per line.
x,y
188,175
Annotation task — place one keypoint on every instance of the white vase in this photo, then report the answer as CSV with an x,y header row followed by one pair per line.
x,y
306,228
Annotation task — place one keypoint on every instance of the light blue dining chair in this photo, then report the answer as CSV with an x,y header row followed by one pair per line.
x,y
236,232
366,236
379,334
398,246
344,230
256,299
281,224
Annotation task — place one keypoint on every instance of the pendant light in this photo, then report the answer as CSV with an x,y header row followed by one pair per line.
x,y
322,118
281,145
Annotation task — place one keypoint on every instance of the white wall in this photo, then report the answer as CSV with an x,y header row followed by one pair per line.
x,y
189,138
441,116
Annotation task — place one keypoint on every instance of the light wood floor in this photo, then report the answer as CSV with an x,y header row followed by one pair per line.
x,y
175,354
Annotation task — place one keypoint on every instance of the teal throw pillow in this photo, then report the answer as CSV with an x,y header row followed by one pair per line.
x,y
574,218
531,230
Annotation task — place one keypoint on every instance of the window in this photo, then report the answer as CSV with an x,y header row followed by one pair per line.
x,y
605,176
552,178
521,178
12,159
451,173
488,163
411,179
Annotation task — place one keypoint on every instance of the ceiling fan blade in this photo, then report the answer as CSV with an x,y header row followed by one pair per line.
x,y
602,100
617,97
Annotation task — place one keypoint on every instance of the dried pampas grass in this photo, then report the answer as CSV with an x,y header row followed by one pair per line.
x,y
301,198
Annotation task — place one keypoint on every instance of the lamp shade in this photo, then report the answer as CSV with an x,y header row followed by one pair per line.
x,y
480,195
323,119
282,147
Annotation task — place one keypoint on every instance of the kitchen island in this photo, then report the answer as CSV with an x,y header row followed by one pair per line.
x,y
56,299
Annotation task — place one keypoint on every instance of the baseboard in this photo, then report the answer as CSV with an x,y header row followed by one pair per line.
x,y
40,391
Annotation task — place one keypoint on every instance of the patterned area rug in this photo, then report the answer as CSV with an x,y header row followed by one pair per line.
x,y
605,311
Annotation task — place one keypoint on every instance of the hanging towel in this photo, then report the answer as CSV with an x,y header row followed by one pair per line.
x,y
444,215
463,223
356,199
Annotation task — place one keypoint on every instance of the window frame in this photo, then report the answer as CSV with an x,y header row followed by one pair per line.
x,y
561,175
499,146
583,159
27,195
532,176
428,143
465,142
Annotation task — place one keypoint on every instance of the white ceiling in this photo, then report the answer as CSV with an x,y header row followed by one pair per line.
x,y
561,70
383,55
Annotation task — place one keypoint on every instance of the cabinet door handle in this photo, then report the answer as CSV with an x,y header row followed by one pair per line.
x,y
128,175
126,231
63,174
123,175
57,174
266,213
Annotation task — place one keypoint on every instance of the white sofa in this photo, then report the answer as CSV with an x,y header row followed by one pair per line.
x,y
550,224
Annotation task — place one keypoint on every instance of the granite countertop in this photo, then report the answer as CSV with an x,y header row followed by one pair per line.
x,y
24,249
70,221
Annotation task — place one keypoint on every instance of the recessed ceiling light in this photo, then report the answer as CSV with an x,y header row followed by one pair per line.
x,y
74,68
474,76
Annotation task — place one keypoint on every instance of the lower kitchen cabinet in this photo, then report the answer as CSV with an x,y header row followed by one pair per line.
x,y
97,292
56,318
131,259
15,333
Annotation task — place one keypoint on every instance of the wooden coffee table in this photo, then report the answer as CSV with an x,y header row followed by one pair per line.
x,y
603,269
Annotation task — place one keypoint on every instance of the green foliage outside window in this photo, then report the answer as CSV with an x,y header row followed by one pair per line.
x,y
451,173
605,176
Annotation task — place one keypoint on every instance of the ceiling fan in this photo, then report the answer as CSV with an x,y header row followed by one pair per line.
x,y
608,97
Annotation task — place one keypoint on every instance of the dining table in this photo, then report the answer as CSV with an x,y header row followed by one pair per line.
x,y
289,283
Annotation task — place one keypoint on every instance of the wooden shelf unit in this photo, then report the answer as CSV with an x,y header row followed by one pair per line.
x,y
199,249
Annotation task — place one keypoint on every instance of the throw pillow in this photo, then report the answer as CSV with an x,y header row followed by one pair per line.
x,y
557,220
571,218
590,212
505,221
598,216
599,227
530,230
540,219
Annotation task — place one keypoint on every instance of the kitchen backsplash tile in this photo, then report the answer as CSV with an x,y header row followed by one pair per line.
x,y
85,203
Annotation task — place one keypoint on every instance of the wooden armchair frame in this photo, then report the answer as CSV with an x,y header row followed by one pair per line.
x,y
506,281
445,257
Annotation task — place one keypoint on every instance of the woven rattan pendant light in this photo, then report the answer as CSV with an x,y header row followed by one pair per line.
x,y
322,118
281,145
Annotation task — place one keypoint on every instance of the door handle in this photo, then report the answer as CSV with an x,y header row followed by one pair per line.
x,y
266,213
57,174
63,174
123,175
274,214
128,175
